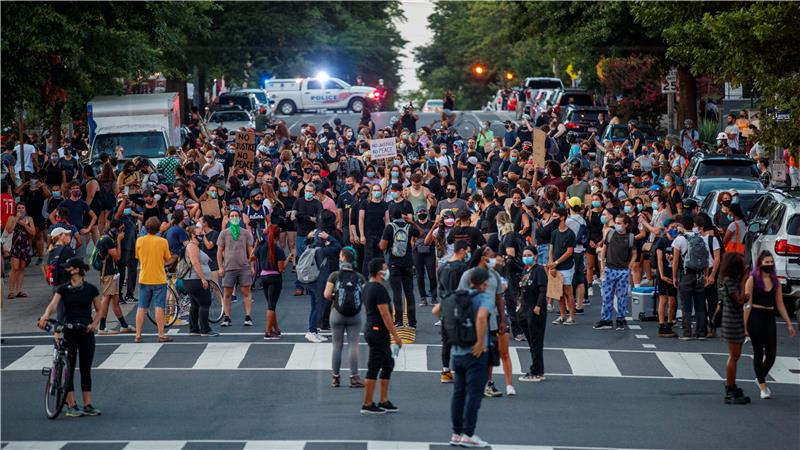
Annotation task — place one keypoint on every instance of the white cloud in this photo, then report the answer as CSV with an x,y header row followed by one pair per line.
x,y
415,31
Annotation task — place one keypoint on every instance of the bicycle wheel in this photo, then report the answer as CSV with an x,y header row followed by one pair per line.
x,y
467,129
55,391
215,311
170,312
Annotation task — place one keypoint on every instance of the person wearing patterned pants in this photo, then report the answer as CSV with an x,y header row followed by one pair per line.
x,y
619,253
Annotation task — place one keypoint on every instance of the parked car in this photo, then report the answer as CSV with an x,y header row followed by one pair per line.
x,y
533,85
582,120
780,235
244,100
231,119
704,185
714,165
619,133
747,200
760,212
433,105
579,97
263,100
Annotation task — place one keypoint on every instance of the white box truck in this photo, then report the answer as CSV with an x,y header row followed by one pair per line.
x,y
143,124
293,95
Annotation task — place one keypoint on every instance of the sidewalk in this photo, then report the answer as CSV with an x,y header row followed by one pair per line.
x,y
19,315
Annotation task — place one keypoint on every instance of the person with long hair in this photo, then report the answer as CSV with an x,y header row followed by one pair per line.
x,y
734,233
108,191
288,227
731,293
22,230
764,296
510,248
78,296
196,282
271,261
595,229
485,258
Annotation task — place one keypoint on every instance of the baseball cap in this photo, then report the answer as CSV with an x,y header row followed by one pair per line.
x,y
528,201
76,262
526,116
574,201
655,187
58,231
472,160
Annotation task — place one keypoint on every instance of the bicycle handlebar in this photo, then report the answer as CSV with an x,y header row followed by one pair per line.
x,y
57,327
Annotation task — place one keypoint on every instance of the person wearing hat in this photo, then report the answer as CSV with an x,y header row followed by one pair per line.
x,y
78,296
580,228
689,136
60,252
424,258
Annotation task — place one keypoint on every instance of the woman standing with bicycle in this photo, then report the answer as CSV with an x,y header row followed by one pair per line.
x,y
78,297
196,283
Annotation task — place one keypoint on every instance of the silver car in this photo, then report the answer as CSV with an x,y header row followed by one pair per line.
x,y
780,235
230,119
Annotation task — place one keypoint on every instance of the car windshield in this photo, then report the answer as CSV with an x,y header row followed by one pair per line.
x,y
262,97
544,84
706,186
149,144
584,116
229,116
746,201
579,99
727,168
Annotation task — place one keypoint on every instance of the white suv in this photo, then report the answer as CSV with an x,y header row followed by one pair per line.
x,y
780,234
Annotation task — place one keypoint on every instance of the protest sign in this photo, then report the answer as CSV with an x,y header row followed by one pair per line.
x,y
382,149
539,150
245,153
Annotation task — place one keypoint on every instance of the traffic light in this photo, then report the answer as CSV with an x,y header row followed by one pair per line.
x,y
509,76
478,69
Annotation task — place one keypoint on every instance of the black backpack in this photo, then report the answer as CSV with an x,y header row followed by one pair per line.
x,y
348,293
458,319
582,237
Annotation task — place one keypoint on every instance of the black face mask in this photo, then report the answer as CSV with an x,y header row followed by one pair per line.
x,y
451,194
768,269
363,195
422,217
726,203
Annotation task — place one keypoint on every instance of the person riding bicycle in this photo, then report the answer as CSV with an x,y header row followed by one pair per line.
x,y
78,297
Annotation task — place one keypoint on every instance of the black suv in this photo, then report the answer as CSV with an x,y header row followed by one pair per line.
x,y
246,101
580,97
582,120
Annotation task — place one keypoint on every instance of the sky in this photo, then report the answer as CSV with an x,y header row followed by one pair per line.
x,y
415,31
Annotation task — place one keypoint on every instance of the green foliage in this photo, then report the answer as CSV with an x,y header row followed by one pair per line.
x,y
708,130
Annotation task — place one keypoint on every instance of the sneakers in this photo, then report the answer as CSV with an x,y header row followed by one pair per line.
x,y
320,338
313,337
270,336
388,407
336,381
210,334
423,302
510,391
74,411
549,307
90,410
248,322
455,439
735,396
126,330
106,331
559,320
355,382
434,302
766,394
446,377
530,378
570,321
603,325
473,441
579,311
325,331
620,324
590,293
372,409
519,338
438,323
491,391
226,321
587,302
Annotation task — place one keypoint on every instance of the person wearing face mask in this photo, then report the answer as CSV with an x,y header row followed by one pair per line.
x,y
128,213
79,214
401,264
109,248
674,197
509,249
306,211
424,258
52,171
344,205
288,237
448,277
562,260
694,269
619,253
372,220
234,250
452,202
533,312
764,296
21,230
594,220
271,262
176,235
485,259
255,214
372,176
734,233
666,291
397,202
438,236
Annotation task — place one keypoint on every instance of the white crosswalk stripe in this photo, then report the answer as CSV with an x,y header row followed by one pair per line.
x,y
417,358
258,445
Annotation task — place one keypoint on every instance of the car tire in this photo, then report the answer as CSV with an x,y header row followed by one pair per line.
x,y
287,107
356,105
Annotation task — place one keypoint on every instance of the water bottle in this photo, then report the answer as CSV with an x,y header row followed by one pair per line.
x,y
395,350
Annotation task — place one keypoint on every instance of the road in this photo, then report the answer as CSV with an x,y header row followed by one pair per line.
x,y
604,389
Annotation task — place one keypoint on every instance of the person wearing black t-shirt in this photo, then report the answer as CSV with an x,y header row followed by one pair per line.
x,y
344,205
109,247
562,246
306,211
398,203
401,267
377,332
372,219
464,231
78,297
533,312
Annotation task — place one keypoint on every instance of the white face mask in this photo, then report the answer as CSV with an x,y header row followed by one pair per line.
x,y
491,262
386,275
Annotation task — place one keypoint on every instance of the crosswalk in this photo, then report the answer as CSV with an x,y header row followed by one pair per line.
x,y
261,445
419,358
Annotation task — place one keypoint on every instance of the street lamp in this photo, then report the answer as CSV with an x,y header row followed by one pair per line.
x,y
479,70
509,76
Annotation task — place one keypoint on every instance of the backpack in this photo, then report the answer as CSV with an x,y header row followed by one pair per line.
x,y
96,259
52,267
582,237
399,239
696,257
183,266
458,319
307,267
348,293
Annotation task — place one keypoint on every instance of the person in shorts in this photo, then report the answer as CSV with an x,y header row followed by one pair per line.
x,y
562,246
234,247
153,254
109,247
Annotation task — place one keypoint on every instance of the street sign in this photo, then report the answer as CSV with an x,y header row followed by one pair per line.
x,y
670,83
382,149
245,153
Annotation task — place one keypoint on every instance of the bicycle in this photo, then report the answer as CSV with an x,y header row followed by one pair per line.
x,y
58,375
179,301
466,128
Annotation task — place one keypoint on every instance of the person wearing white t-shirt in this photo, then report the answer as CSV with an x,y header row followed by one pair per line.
x,y
212,167
691,283
28,152
708,231
732,132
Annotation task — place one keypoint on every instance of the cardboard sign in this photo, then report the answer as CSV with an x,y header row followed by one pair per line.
x,y
210,206
539,151
245,153
641,193
778,169
587,200
555,285
382,149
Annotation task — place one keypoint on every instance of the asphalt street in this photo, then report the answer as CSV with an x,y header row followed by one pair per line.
x,y
604,389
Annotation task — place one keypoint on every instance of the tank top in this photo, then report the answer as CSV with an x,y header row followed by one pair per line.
x,y
257,216
204,260
762,297
595,227
417,201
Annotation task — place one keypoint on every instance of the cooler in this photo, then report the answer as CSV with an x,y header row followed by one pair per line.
x,y
643,303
